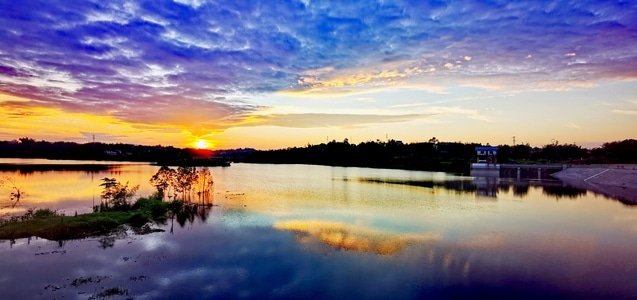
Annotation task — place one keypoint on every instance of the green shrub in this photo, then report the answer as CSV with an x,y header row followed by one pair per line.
x,y
139,218
175,206
154,205
41,213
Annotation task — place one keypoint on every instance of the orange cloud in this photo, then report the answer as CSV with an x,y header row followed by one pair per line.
x,y
55,124
333,81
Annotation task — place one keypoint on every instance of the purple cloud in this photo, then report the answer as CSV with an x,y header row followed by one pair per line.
x,y
139,60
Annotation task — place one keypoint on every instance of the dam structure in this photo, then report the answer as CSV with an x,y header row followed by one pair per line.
x,y
487,166
614,180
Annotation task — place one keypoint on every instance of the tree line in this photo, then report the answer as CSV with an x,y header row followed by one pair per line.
x,y
439,156
29,148
433,155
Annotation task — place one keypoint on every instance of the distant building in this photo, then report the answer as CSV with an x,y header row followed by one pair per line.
x,y
487,154
486,171
112,152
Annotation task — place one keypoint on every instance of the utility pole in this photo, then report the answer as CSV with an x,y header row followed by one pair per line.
x,y
514,140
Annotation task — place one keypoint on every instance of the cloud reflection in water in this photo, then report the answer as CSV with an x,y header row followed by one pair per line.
x,y
351,238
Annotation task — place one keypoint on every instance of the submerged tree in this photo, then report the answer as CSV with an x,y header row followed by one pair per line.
x,y
186,177
185,182
116,195
163,180
16,192
204,185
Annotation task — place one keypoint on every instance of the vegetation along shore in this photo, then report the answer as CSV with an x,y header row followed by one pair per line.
x,y
181,193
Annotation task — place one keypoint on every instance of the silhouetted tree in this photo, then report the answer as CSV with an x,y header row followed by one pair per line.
x,y
621,152
204,185
115,195
562,153
163,180
504,154
184,181
521,152
186,177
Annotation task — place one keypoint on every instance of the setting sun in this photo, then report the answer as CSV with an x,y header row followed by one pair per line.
x,y
202,144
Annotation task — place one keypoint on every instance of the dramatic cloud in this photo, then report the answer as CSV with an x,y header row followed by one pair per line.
x,y
158,61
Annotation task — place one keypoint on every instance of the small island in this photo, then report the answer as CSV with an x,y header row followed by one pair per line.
x,y
187,188
48,224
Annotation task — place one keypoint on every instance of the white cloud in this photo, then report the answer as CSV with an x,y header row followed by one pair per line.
x,y
625,112
42,77
458,111
193,3
152,75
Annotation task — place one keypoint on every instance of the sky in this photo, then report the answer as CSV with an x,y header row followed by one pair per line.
x,y
277,74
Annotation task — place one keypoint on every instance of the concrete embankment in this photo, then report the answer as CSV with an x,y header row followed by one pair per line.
x,y
618,181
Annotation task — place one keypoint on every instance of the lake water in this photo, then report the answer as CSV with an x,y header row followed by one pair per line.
x,y
300,231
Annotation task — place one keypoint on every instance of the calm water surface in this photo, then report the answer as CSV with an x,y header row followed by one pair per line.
x,y
299,231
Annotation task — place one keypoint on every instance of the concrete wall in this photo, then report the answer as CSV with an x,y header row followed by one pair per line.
x,y
619,181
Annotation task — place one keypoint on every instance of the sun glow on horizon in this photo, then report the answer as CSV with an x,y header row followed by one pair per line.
x,y
202,144
284,89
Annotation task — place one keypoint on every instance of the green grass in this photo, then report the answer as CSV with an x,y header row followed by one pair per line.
x,y
47,224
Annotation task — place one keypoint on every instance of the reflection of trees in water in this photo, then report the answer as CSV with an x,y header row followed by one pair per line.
x,y
552,189
626,196
504,188
107,241
563,192
189,213
186,215
203,212
458,185
15,192
518,188
30,169
452,185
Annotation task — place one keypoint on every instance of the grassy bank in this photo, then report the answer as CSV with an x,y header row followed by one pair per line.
x,y
48,224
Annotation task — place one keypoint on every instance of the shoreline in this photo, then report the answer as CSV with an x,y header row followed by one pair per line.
x,y
617,181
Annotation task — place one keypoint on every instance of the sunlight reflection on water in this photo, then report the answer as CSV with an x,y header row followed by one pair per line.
x,y
297,231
